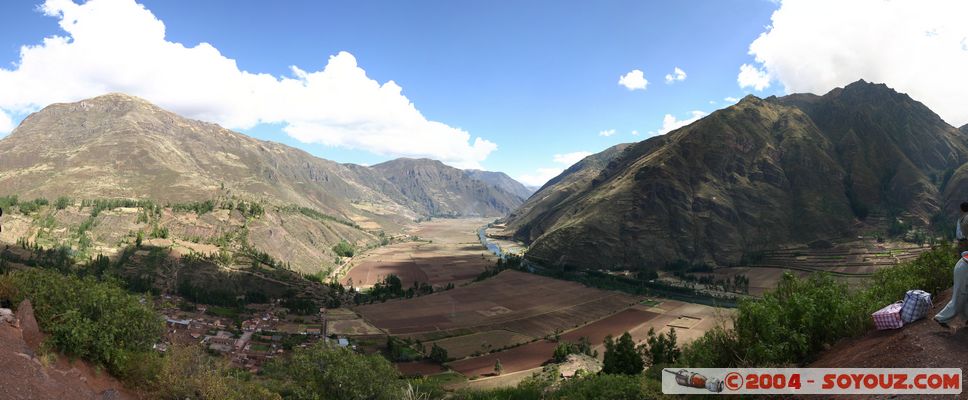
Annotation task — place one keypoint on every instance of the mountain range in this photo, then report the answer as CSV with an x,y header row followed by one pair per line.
x,y
122,146
755,176
117,146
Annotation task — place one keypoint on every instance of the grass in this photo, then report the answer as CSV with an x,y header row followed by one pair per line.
x,y
650,302
446,378
224,312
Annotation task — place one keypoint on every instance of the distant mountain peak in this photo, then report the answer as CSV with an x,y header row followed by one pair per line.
x,y
749,99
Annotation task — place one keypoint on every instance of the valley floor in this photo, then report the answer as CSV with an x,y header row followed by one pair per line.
x,y
507,317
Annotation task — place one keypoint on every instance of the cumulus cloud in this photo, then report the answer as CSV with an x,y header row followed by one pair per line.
x,y
730,99
570,158
677,75
635,133
752,77
120,46
606,133
634,80
671,123
6,124
916,47
542,175
539,177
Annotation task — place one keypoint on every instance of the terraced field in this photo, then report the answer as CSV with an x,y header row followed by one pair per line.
x,y
528,304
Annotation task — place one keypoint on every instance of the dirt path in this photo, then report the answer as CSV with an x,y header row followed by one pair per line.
x,y
921,344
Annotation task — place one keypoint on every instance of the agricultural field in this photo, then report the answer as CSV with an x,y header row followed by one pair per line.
x,y
446,251
853,262
480,343
528,304
689,320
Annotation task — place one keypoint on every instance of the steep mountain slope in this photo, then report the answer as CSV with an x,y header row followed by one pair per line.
x,y
751,177
121,147
894,150
439,190
502,181
542,208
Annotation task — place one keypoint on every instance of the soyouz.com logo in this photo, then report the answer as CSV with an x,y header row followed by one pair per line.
x,y
811,381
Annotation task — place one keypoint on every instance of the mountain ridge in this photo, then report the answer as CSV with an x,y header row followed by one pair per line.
x,y
753,176
114,140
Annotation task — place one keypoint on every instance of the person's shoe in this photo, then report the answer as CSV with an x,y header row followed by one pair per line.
x,y
943,324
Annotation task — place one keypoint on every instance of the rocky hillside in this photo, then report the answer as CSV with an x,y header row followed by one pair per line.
x,y
542,209
754,176
29,372
502,181
436,189
205,183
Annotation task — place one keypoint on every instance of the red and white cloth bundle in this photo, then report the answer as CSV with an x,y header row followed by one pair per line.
x,y
889,317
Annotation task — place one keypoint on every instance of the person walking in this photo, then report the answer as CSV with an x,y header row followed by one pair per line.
x,y
959,294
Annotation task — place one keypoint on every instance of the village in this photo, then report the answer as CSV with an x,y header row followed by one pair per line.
x,y
247,338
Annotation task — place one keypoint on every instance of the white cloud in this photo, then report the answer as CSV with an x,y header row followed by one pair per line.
x,y
916,47
119,46
6,124
635,133
606,133
539,177
670,123
730,99
634,80
570,158
677,75
543,175
751,76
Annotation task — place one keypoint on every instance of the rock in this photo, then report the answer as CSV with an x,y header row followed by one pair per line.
x,y
28,324
7,316
110,394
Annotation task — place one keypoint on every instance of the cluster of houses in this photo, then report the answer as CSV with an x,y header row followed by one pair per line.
x,y
267,332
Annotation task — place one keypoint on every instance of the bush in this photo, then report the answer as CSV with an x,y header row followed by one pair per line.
x,y
335,372
604,386
343,249
187,372
85,318
801,317
62,202
438,354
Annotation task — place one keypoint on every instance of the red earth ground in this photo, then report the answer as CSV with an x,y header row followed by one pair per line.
x,y
24,377
920,344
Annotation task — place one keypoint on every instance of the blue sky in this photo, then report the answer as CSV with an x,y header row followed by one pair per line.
x,y
536,78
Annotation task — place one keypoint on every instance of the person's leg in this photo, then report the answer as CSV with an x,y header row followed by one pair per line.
x,y
958,295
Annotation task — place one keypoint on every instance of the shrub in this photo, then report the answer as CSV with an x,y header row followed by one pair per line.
x,y
97,321
336,372
62,202
802,316
343,249
187,372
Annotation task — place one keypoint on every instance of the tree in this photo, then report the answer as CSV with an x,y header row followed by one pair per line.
x,y
662,348
622,357
498,368
334,372
562,350
438,354
343,249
